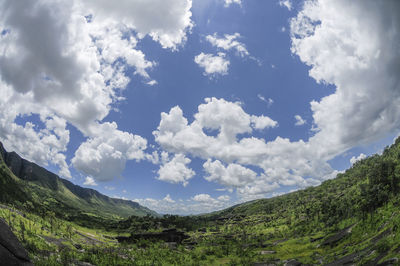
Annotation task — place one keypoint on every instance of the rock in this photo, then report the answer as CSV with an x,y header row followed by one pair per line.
x,y
11,250
266,252
332,240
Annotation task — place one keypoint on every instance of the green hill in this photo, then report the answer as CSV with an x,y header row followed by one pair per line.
x,y
27,185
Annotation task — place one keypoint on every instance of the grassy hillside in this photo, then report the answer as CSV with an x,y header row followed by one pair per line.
x,y
29,186
353,219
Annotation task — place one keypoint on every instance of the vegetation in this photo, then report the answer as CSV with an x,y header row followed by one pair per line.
x,y
354,218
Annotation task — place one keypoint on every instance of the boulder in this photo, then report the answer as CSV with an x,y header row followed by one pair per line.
x,y
11,250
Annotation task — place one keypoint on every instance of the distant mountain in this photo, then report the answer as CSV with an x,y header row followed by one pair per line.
x,y
27,185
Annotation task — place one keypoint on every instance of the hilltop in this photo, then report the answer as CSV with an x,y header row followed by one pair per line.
x,y
29,186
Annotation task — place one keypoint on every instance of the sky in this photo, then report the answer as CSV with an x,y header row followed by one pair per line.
x,y
191,106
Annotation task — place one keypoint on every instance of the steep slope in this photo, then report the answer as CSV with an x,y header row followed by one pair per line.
x,y
352,219
31,186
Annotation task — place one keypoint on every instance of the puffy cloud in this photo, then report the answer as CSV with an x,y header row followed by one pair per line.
x,y
234,175
362,40
228,42
68,61
176,170
202,198
150,17
299,120
89,181
168,199
286,3
261,122
229,2
103,156
360,157
174,133
213,65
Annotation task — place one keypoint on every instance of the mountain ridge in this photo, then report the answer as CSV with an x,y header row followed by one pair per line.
x,y
33,182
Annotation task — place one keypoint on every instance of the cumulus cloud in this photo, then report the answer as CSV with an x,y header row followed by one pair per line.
x,y
213,65
362,64
262,122
104,156
234,175
67,62
286,3
299,120
89,181
228,42
150,17
200,203
230,2
176,170
360,157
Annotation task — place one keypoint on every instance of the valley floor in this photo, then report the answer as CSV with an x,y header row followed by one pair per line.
x,y
229,240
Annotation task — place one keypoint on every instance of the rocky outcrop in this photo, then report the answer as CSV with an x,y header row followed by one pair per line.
x,y
11,250
332,240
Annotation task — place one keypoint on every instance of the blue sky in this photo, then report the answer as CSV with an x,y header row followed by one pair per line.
x,y
192,106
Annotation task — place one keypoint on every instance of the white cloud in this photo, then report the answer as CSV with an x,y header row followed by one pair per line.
x,y
176,170
89,181
361,63
360,157
229,2
200,203
67,60
103,156
152,82
261,122
269,101
168,199
228,42
299,120
213,65
286,3
234,175
166,21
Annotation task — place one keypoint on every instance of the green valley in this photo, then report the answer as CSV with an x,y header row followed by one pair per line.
x,y
352,219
